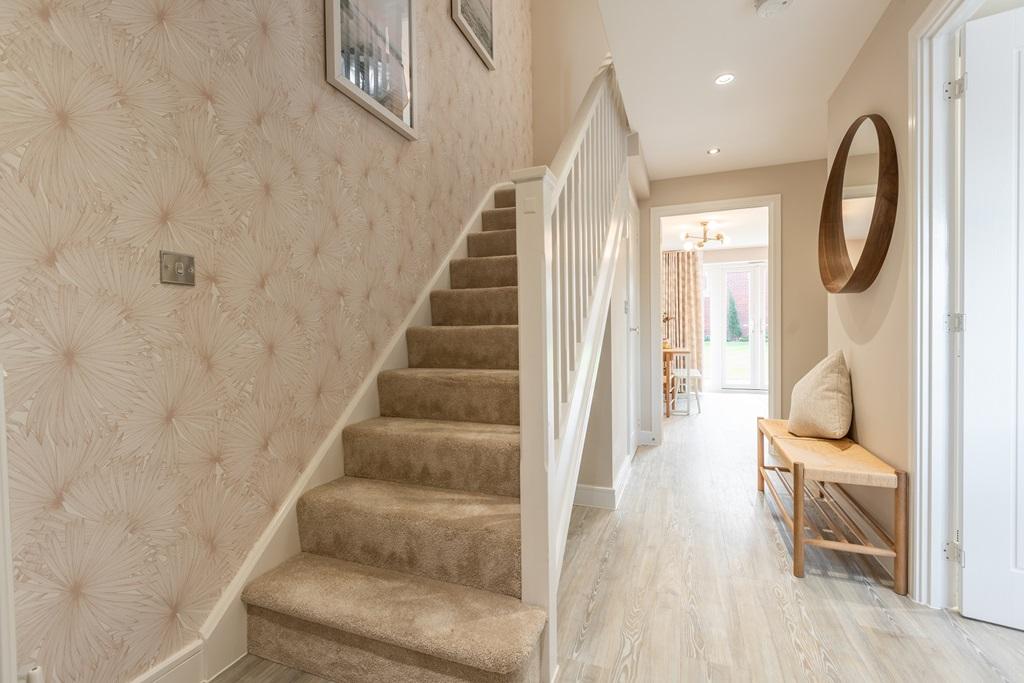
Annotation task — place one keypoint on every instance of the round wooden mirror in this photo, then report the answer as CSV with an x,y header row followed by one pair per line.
x,y
859,211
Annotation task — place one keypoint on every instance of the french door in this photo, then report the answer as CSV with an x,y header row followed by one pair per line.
x,y
993,336
736,328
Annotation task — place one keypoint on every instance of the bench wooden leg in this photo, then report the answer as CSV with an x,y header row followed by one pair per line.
x,y
798,519
760,457
899,569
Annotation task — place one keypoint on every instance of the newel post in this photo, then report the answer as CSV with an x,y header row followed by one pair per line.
x,y
534,201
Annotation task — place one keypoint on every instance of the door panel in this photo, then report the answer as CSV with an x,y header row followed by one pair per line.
x,y
993,410
737,352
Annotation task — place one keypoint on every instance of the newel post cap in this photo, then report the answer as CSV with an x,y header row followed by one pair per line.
x,y
526,175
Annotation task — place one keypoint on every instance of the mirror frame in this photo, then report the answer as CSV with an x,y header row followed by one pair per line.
x,y
838,274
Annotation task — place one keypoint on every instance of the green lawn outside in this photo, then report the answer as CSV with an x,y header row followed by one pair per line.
x,y
737,360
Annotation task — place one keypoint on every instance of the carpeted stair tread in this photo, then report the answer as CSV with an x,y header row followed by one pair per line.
x,y
482,306
505,198
468,346
483,630
466,456
467,538
445,394
491,243
484,271
499,219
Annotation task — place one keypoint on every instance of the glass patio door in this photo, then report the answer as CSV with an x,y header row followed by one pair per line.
x,y
738,342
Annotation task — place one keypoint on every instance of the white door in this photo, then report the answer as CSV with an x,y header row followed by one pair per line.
x,y
993,341
632,304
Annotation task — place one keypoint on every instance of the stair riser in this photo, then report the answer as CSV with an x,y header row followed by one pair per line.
x,y
498,306
442,548
500,243
499,219
482,464
504,198
473,273
495,348
491,400
340,656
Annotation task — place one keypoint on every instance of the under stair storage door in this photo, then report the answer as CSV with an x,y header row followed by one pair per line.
x,y
993,337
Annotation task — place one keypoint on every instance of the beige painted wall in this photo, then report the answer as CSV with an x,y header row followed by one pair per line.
x,y
569,45
802,186
154,430
736,255
598,445
873,328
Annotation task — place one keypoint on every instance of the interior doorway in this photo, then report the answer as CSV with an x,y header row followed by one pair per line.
x,y
730,252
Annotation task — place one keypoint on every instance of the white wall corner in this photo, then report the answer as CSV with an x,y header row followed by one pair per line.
x,y
606,497
223,635
639,178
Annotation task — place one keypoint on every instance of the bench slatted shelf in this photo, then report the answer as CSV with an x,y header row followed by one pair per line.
x,y
820,468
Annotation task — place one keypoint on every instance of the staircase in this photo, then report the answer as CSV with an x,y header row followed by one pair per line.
x,y
410,567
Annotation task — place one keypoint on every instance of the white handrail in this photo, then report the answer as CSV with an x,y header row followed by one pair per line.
x,y
569,219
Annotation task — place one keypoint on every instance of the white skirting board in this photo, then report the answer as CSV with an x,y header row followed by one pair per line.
x,y
223,636
8,651
606,497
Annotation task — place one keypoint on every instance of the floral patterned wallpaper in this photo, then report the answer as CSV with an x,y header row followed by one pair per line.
x,y
153,430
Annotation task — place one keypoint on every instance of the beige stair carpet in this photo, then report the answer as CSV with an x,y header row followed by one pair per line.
x,y
411,567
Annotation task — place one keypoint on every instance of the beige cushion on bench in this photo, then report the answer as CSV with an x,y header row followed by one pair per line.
x,y
822,401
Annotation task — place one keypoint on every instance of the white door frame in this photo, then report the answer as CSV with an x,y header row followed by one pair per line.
x,y
935,188
774,204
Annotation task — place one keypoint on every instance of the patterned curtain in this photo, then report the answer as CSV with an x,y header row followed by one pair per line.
x,y
682,302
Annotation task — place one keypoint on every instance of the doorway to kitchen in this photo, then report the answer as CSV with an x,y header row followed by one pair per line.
x,y
716,302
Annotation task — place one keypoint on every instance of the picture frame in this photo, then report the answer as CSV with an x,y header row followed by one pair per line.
x,y
475,18
370,49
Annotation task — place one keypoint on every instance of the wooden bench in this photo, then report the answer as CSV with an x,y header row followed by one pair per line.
x,y
820,468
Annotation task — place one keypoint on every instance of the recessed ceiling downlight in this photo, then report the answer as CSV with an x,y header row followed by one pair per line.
x,y
714,151
769,8
725,79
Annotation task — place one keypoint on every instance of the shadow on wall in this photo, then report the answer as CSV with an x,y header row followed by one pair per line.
x,y
862,315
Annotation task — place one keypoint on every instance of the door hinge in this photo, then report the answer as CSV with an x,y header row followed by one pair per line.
x,y
955,323
954,550
954,90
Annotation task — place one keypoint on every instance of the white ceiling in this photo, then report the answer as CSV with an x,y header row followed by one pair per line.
x,y
742,228
668,52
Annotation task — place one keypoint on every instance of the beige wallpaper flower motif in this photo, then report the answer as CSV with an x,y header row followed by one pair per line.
x,y
154,430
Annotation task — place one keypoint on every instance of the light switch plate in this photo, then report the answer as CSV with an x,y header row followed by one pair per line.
x,y
177,269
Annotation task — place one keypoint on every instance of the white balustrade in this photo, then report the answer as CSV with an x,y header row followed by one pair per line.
x,y
569,221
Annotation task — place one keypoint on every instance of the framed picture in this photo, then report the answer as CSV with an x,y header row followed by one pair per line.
x,y
370,57
476,19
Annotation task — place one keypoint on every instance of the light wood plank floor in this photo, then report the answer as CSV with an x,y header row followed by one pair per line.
x,y
690,580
